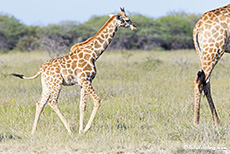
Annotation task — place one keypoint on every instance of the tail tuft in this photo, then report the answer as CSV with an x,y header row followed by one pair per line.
x,y
201,77
18,75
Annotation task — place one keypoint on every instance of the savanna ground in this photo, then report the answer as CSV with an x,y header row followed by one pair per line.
x,y
147,106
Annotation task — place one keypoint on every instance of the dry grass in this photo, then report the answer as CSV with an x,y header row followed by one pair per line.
x,y
147,106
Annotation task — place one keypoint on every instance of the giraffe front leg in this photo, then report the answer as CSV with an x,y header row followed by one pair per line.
x,y
82,109
89,89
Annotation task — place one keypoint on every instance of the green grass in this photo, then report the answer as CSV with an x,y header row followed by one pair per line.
x,y
147,106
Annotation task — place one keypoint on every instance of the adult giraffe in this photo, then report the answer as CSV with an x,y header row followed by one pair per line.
x,y
77,67
211,39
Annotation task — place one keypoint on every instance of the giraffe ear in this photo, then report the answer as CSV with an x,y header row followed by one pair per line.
x,y
110,15
122,9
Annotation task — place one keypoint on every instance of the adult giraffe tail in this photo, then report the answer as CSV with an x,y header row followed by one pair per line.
x,y
28,78
201,78
196,40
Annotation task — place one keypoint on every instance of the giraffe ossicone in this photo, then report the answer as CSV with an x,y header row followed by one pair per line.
x,y
211,40
77,67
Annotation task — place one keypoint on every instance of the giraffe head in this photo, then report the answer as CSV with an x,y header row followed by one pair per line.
x,y
123,20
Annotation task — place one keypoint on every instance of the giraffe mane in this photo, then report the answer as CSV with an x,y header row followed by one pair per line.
x,y
74,47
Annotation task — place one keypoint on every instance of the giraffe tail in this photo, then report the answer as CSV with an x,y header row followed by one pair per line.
x,y
28,78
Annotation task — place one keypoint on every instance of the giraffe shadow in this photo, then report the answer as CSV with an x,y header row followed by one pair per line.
x,y
8,136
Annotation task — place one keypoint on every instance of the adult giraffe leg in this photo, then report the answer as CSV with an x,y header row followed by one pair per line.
x,y
89,89
207,91
82,109
199,83
53,103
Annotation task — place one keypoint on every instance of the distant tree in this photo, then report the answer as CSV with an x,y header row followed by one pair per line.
x,y
30,41
55,46
147,35
70,30
10,31
90,28
96,22
56,38
176,31
173,31
34,31
3,41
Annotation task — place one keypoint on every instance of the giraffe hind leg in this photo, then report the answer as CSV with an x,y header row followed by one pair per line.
x,y
199,83
54,105
39,108
41,104
199,86
207,91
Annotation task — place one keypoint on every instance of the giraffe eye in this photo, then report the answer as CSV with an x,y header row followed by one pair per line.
x,y
129,21
120,18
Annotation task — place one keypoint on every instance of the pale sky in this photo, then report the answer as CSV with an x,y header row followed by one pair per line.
x,y
43,12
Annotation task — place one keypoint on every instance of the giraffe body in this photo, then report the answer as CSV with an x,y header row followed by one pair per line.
x,y
211,40
77,67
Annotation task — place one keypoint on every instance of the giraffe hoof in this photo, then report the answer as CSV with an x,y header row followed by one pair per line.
x,y
70,133
196,124
81,132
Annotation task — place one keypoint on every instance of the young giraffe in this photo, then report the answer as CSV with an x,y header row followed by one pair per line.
x,y
77,67
211,39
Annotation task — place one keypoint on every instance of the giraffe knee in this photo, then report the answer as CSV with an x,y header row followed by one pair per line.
x,y
39,106
83,106
97,103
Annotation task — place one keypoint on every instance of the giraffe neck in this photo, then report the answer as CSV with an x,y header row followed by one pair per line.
x,y
104,38
98,43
